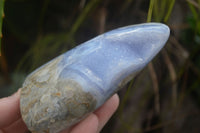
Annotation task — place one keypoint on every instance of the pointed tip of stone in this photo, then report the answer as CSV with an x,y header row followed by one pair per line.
x,y
145,40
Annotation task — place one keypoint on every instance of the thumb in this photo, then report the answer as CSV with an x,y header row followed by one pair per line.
x,y
9,109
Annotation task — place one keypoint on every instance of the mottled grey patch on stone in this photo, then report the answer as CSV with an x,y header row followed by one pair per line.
x,y
50,104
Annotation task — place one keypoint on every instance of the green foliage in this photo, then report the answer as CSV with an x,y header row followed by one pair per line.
x,y
194,21
83,15
51,43
1,20
162,10
191,40
150,10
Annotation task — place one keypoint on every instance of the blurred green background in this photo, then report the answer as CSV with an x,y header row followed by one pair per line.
x,y
163,98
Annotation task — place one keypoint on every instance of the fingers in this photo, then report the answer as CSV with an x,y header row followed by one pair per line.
x,y
106,111
88,125
9,110
10,115
17,127
95,121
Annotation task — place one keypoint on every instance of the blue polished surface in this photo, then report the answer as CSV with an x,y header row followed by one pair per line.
x,y
66,89
109,58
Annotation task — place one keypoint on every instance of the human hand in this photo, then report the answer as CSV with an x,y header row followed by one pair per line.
x,y
11,121
10,117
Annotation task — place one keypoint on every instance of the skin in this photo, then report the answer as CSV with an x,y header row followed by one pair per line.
x,y
11,121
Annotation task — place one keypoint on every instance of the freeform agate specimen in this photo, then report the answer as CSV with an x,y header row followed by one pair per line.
x,y
65,90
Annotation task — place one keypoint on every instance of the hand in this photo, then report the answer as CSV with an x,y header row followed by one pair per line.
x,y
11,121
96,120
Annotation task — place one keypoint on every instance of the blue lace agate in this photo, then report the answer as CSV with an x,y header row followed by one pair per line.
x,y
66,89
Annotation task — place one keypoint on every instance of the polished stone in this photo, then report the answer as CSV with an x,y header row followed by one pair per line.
x,y
65,90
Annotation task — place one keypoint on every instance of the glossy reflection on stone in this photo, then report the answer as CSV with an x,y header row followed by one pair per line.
x,y
65,90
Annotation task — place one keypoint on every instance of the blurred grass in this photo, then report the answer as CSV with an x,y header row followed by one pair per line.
x,y
1,20
50,43
162,9
195,9
151,5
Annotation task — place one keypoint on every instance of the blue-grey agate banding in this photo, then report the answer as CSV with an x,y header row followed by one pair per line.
x,y
65,90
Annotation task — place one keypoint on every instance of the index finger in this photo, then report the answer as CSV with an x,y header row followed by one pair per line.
x,y
9,109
